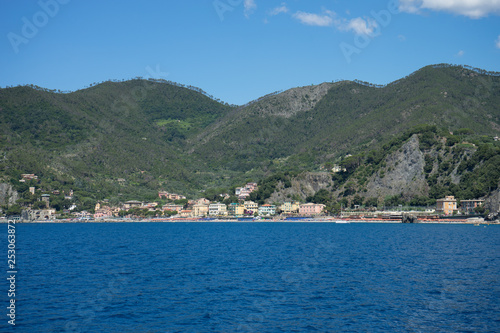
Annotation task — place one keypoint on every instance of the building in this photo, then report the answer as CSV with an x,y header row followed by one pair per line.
x,y
251,207
202,201
447,205
69,196
103,212
173,207
267,210
236,209
41,214
217,209
200,209
337,168
290,207
132,204
171,196
244,192
29,176
310,209
469,206
46,199
186,213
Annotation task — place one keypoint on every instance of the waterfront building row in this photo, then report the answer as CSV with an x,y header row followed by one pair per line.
x,y
205,208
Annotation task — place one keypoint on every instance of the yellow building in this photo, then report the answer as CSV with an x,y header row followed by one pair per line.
x,y
186,213
200,210
236,209
290,207
251,206
447,205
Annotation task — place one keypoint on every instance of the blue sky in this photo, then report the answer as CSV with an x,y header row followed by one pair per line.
x,y
239,50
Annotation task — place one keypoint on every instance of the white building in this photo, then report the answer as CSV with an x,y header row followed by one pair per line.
x,y
217,209
267,210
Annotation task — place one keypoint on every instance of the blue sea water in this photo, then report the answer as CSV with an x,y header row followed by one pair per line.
x,y
255,277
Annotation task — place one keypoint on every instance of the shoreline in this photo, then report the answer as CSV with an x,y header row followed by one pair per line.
x,y
312,220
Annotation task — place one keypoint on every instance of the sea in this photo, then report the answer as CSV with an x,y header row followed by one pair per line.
x,y
253,277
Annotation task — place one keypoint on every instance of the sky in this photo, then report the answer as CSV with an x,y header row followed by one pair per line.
x,y
239,50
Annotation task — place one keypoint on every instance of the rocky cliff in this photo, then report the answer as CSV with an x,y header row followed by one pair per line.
x,y
304,185
8,196
492,203
403,173
292,101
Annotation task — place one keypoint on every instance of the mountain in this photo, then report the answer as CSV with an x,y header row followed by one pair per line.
x,y
124,140
307,126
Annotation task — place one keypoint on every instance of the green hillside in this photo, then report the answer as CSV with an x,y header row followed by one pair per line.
x,y
94,138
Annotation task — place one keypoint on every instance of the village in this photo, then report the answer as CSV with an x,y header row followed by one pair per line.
x,y
170,206
180,207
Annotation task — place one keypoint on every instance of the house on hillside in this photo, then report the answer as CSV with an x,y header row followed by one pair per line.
x,y
132,204
202,201
170,196
244,192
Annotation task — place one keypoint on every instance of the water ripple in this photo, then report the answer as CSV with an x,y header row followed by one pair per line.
x,y
181,277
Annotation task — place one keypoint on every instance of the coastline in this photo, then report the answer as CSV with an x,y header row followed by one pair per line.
x,y
311,220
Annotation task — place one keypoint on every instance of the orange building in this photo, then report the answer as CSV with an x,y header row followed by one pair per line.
x,y
447,205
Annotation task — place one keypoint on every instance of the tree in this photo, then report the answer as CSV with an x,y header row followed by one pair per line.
x,y
231,199
321,197
351,163
13,210
371,202
357,200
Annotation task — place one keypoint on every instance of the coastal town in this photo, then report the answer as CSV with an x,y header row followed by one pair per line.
x,y
235,207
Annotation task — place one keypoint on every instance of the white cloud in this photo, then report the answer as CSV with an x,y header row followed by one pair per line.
x,y
497,42
250,7
360,26
357,25
472,8
324,20
279,10
460,53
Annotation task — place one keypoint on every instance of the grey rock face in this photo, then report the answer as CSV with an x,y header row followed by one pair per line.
x,y
404,173
8,196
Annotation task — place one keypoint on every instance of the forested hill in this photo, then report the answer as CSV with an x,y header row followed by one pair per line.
x,y
129,139
115,137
